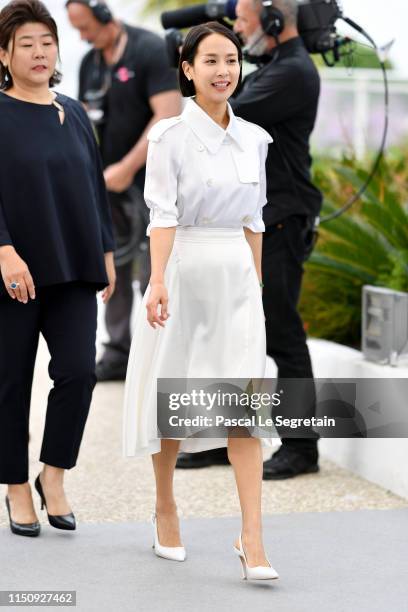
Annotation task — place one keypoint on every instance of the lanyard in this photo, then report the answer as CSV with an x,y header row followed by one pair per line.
x,y
107,69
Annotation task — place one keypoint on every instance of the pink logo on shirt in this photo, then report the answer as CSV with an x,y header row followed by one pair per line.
x,y
123,74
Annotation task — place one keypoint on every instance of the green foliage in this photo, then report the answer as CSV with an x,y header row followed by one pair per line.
x,y
365,57
361,57
397,276
366,245
153,6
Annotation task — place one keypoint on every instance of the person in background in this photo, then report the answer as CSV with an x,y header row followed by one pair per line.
x,y
56,252
127,85
282,97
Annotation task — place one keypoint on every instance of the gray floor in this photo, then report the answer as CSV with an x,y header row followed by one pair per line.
x,y
328,561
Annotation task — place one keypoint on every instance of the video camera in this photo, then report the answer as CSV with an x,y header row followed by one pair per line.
x,y
316,24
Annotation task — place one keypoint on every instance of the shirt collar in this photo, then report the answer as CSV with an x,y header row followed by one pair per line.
x,y
207,131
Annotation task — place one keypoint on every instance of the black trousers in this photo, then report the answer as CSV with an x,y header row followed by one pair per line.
x,y
283,252
130,218
66,316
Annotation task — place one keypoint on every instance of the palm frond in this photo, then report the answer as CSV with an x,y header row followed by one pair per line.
x,y
367,245
342,268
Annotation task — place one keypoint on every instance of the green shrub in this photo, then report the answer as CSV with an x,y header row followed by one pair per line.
x,y
366,245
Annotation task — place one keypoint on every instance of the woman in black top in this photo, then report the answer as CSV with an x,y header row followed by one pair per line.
x,y
56,252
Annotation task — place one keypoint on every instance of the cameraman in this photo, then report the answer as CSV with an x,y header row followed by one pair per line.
x,y
127,85
282,97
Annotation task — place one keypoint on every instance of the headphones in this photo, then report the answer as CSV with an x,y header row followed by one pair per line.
x,y
272,19
99,9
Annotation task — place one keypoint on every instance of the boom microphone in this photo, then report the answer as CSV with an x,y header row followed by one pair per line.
x,y
198,14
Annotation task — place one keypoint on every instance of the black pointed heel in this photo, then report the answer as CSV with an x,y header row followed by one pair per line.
x,y
59,521
31,530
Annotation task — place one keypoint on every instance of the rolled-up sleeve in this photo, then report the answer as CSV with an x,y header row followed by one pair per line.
x,y
257,225
5,237
160,190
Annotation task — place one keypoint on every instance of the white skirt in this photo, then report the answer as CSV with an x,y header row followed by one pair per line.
x,y
216,329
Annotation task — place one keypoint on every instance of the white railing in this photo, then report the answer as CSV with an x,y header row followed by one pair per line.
x,y
351,111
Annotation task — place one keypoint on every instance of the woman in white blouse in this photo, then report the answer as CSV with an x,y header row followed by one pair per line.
x,y
205,187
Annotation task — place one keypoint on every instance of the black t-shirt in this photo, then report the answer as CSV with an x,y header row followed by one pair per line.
x,y
142,71
53,204
282,97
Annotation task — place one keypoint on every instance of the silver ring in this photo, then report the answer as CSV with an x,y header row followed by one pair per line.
x,y
14,285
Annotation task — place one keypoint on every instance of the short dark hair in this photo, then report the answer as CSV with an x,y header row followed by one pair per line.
x,y
14,15
190,46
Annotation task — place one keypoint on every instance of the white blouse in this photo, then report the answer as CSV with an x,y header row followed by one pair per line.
x,y
198,174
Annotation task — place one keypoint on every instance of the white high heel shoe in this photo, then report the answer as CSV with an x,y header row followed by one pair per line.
x,y
259,572
175,553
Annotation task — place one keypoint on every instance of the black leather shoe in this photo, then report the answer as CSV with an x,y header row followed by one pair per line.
x,y
110,371
215,456
288,463
59,521
31,530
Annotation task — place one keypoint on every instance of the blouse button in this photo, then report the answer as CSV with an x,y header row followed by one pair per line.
x,y
205,220
246,219
209,182
200,148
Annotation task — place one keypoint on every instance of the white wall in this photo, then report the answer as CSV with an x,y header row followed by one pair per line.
x,y
380,460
